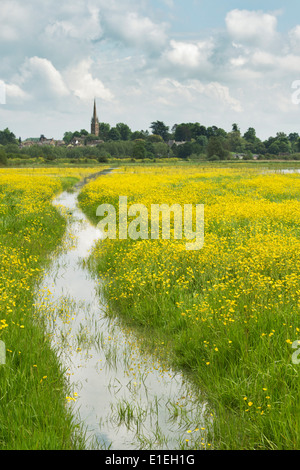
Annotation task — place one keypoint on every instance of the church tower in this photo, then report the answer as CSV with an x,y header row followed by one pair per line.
x,y
95,122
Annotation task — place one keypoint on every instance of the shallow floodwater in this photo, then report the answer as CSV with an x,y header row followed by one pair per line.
x,y
126,399
282,170
290,170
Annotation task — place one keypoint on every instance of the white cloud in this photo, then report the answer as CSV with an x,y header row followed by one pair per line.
x,y
294,37
85,25
222,94
14,91
40,73
169,3
189,54
281,64
40,77
13,16
251,26
82,83
263,59
192,90
239,61
136,30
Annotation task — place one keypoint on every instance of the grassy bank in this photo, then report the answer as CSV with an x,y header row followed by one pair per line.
x,y
33,411
228,313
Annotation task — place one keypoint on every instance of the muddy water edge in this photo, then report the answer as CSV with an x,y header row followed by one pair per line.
x,y
124,398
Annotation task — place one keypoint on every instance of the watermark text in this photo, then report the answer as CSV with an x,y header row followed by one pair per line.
x,y
296,93
188,222
296,354
2,353
2,93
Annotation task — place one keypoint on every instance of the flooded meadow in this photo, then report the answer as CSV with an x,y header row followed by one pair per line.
x,y
124,397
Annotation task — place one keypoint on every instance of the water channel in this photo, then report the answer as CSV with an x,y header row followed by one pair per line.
x,y
125,398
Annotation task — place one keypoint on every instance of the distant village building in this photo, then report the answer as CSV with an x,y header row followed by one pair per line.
x,y
94,143
27,143
174,142
44,141
39,141
241,156
60,143
75,142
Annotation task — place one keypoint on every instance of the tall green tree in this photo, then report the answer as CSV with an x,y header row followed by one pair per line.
x,y
114,134
293,139
236,142
215,131
68,136
217,146
124,131
183,133
7,137
139,135
154,138
159,128
104,129
250,135
202,141
139,149
185,150
3,157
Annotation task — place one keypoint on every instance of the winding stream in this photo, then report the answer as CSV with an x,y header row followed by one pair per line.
x,y
125,398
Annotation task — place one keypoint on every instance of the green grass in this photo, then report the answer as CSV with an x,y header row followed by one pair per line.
x,y
33,388
226,315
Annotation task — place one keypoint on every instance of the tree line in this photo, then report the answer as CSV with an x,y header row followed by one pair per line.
x,y
185,140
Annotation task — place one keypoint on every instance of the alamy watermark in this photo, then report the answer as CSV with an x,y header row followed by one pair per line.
x,y
2,93
147,225
2,352
295,358
296,93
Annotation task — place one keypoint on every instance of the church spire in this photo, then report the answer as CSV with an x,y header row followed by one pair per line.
x,y
95,122
95,112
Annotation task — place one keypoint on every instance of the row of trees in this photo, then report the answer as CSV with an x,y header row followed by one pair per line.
x,y
189,139
107,133
150,147
200,140
215,140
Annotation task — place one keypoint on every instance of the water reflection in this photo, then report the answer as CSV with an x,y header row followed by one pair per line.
x,y
281,170
294,170
126,399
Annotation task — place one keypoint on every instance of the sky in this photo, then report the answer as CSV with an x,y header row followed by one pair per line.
x,y
216,63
